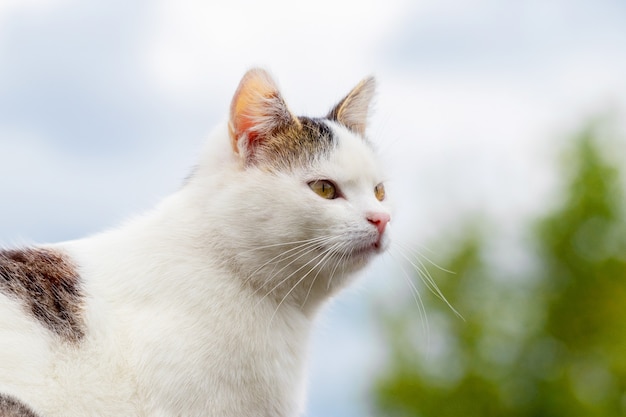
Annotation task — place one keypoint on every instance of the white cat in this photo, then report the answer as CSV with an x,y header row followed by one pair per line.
x,y
202,307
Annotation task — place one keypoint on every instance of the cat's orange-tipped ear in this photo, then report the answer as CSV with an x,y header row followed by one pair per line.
x,y
257,110
353,110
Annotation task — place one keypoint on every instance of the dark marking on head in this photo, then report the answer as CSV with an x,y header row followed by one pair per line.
x,y
297,145
47,283
12,407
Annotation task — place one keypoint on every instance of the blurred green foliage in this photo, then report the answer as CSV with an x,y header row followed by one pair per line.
x,y
548,339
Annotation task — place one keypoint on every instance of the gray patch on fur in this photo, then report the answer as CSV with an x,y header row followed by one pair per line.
x,y
11,407
46,282
297,145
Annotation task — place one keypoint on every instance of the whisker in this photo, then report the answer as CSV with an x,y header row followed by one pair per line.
x,y
427,279
417,297
302,253
304,246
419,254
323,255
343,254
327,257
276,245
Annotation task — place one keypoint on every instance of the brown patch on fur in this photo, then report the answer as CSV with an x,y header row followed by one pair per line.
x,y
297,145
11,407
47,283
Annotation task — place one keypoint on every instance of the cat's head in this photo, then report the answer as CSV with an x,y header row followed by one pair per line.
x,y
309,205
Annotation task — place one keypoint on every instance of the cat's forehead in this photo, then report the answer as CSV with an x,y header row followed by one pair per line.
x,y
352,157
322,146
300,145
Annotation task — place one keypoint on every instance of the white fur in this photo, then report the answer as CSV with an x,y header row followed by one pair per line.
x,y
185,312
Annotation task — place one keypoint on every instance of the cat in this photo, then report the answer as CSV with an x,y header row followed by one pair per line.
x,y
204,305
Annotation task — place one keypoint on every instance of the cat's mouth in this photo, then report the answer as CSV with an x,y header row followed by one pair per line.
x,y
368,249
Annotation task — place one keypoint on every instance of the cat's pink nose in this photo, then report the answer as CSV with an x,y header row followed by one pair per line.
x,y
379,220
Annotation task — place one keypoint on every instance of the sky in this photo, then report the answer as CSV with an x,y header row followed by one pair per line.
x,y
104,105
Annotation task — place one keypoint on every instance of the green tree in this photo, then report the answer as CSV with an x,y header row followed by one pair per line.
x,y
550,341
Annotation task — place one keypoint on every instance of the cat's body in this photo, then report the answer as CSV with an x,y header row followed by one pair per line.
x,y
203,306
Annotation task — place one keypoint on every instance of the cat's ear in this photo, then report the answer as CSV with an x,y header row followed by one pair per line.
x,y
257,111
353,110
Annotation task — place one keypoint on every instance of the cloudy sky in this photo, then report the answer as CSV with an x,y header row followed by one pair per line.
x,y
105,103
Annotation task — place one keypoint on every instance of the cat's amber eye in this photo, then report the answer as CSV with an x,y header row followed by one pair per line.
x,y
324,188
379,192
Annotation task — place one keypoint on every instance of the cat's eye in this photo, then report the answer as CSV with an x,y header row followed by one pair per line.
x,y
324,188
379,192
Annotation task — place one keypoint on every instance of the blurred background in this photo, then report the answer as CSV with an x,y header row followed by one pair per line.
x,y
503,124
